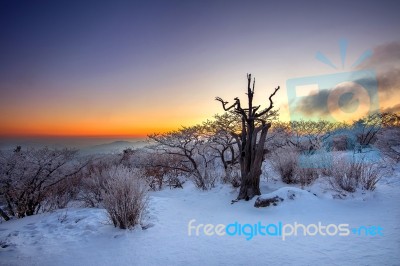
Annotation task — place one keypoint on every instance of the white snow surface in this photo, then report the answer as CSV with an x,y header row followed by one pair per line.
x,y
83,236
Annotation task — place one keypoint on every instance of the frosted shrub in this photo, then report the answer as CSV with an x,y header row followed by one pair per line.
x,y
350,174
306,170
346,175
93,182
370,176
296,168
37,180
284,161
125,196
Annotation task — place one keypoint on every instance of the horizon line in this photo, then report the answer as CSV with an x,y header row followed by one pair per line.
x,y
73,136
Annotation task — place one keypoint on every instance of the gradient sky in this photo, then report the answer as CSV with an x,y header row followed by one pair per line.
x,y
129,68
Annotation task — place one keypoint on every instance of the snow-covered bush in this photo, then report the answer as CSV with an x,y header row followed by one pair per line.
x,y
94,180
346,175
296,168
284,161
350,174
125,196
306,175
370,176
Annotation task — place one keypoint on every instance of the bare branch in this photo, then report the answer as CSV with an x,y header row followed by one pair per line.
x,y
271,103
225,103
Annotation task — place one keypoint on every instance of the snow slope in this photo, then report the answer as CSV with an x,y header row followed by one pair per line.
x,y
81,236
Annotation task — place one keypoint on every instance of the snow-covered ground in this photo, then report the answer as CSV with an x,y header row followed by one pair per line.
x,y
82,236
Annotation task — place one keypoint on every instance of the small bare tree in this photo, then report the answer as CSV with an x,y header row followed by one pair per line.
x,y
254,128
389,142
222,139
190,145
29,177
160,169
367,128
308,136
279,136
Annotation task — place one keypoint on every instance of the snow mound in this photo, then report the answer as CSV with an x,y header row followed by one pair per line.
x,y
282,194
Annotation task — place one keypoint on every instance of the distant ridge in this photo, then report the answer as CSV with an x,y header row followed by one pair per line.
x,y
113,147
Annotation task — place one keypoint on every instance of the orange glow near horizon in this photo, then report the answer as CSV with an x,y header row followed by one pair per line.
x,y
53,124
82,129
100,115
114,121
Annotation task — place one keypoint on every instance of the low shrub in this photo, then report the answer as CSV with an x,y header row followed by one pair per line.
x,y
125,196
284,161
350,174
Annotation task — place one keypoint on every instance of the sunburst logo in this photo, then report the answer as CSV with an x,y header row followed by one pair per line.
x,y
343,44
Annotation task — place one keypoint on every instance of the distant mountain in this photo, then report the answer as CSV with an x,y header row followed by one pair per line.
x,y
86,146
113,147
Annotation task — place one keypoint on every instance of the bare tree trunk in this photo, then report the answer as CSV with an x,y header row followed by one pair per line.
x,y
251,147
252,161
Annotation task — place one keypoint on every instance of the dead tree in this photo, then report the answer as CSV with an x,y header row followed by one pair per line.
x,y
254,129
